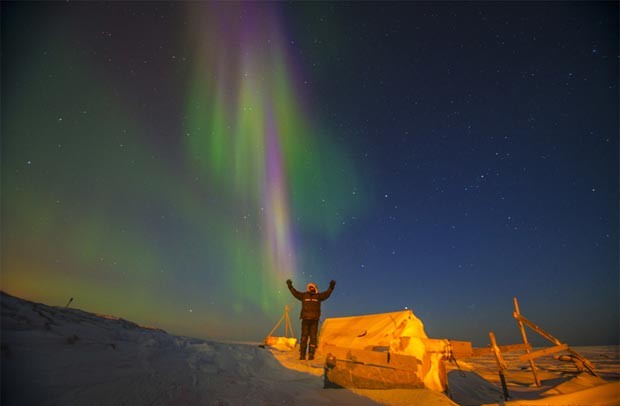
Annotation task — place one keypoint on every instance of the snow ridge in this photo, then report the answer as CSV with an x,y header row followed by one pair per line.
x,y
61,356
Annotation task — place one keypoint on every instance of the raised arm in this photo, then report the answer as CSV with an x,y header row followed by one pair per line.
x,y
328,292
294,291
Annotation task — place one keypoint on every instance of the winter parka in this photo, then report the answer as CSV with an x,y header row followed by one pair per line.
x,y
310,302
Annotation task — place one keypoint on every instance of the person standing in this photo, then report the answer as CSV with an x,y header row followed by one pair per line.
x,y
310,314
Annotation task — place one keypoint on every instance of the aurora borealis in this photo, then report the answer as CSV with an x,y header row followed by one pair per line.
x,y
129,226
175,163
248,134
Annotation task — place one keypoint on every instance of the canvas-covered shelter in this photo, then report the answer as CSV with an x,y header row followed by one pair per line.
x,y
394,340
370,330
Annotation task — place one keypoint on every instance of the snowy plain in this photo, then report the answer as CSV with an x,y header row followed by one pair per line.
x,y
64,356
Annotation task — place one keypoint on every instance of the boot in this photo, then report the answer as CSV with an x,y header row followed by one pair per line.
x,y
311,352
302,355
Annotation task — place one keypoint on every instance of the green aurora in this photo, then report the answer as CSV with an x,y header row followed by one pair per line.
x,y
200,243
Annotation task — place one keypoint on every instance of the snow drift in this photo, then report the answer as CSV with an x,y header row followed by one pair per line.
x,y
59,356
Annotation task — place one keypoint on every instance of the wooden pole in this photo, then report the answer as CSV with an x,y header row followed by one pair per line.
x,y
288,327
501,364
517,316
539,330
276,327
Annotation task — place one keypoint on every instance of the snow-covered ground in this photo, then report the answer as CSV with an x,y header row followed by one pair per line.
x,y
60,356
561,384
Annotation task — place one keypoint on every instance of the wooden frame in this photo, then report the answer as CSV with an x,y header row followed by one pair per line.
x,y
580,361
288,328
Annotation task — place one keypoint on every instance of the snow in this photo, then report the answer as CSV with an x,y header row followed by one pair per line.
x,y
60,356
560,382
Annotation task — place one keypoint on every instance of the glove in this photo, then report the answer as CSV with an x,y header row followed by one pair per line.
x,y
332,283
289,282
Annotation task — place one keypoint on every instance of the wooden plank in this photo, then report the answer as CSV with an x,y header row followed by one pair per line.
x,y
476,352
349,374
517,315
543,352
538,329
501,364
514,347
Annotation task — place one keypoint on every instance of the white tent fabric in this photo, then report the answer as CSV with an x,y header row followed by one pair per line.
x,y
369,331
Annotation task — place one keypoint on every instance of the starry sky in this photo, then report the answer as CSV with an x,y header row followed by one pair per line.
x,y
174,163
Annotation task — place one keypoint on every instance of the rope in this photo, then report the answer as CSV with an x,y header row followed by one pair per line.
x,y
458,367
451,358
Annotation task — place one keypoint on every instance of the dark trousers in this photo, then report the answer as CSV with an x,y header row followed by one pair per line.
x,y
309,328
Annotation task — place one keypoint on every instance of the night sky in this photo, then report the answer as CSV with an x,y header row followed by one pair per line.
x,y
174,163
